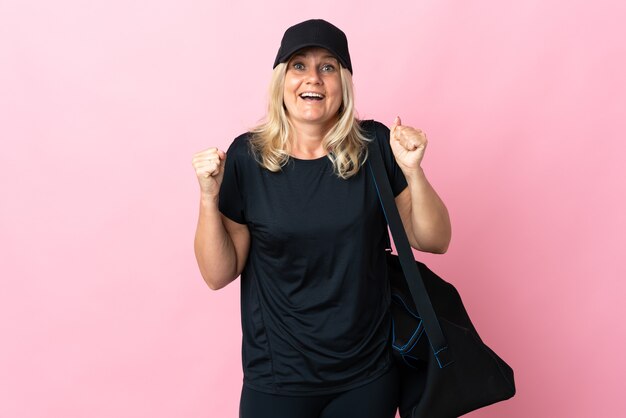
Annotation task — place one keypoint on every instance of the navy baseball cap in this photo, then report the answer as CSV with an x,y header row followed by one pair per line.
x,y
314,32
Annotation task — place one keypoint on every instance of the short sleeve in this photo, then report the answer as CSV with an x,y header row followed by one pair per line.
x,y
230,200
394,173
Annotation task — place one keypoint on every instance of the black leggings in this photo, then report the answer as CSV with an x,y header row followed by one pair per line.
x,y
377,399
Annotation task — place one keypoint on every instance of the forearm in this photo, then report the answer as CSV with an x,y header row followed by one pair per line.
x,y
214,249
430,220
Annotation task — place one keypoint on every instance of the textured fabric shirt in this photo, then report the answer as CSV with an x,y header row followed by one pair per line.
x,y
314,291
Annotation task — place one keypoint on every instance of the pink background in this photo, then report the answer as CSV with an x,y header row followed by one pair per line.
x,y
103,312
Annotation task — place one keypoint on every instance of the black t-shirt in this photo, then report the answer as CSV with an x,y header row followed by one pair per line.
x,y
314,291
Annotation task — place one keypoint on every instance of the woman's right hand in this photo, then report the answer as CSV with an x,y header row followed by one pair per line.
x,y
209,166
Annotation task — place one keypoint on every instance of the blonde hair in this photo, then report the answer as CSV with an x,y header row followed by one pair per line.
x,y
345,143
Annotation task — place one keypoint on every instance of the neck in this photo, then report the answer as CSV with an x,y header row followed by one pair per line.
x,y
306,139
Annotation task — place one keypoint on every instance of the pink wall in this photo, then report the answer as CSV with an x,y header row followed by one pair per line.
x,y
103,312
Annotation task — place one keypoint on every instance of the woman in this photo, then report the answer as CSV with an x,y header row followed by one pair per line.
x,y
291,209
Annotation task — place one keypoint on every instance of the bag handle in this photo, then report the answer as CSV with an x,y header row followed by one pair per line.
x,y
411,273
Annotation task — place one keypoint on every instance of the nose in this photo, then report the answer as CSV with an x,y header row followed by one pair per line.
x,y
313,76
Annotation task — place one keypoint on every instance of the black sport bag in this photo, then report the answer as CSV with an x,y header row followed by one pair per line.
x,y
446,370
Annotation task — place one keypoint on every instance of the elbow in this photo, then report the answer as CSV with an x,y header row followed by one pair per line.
x,y
217,284
213,286
215,277
440,250
441,247
434,248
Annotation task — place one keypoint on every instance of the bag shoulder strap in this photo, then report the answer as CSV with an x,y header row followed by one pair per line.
x,y
412,275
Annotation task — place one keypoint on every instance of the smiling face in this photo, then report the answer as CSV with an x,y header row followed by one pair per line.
x,y
312,92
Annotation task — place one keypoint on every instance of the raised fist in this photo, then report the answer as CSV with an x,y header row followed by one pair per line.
x,y
209,166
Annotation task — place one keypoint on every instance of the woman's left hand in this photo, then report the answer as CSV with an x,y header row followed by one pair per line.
x,y
408,145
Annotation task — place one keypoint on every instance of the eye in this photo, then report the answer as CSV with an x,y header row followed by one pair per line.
x,y
328,68
298,66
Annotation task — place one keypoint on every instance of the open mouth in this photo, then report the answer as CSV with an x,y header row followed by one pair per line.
x,y
310,96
